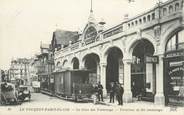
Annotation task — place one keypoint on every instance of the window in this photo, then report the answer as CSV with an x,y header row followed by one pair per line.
x,y
153,16
144,19
149,18
140,21
164,11
170,9
129,25
176,42
181,40
136,22
176,6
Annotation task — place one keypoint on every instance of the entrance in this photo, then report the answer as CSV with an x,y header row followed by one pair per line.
x,y
114,70
142,73
91,63
174,69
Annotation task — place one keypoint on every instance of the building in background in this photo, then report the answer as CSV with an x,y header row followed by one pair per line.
x,y
45,66
19,72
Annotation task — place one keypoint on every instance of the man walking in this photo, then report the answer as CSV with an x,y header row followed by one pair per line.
x,y
100,91
120,92
112,92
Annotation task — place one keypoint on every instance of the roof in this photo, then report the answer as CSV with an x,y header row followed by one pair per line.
x,y
63,37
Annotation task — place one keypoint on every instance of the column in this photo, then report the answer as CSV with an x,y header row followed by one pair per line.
x,y
127,96
149,76
159,97
121,72
98,72
103,77
81,64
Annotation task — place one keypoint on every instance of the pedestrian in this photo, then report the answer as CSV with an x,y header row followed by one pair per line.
x,y
112,92
95,93
119,94
100,91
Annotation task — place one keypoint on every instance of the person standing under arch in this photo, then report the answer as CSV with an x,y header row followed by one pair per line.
x,y
100,92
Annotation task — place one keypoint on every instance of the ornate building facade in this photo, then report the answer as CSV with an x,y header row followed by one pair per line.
x,y
145,54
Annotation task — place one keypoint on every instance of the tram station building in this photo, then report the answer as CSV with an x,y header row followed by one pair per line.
x,y
145,54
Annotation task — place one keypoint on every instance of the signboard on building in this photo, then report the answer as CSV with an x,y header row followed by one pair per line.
x,y
90,35
151,59
36,84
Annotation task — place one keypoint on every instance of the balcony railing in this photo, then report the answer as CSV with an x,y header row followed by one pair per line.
x,y
161,11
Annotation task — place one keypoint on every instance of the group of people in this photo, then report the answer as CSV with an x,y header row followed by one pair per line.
x,y
115,90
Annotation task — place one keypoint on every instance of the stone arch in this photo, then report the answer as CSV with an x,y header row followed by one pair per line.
x,y
58,64
134,42
91,62
90,52
75,63
106,49
65,63
172,30
113,59
141,71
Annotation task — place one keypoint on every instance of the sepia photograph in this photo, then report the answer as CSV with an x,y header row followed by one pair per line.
x,y
91,57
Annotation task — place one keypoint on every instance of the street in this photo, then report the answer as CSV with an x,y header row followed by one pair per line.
x,y
44,103
42,100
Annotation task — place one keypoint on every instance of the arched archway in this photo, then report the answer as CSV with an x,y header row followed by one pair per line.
x,y
91,63
58,64
65,63
75,63
174,67
114,69
143,73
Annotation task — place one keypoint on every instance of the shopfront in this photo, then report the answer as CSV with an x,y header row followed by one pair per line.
x,y
143,71
174,69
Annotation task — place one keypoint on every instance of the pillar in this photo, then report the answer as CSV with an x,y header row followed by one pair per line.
x,y
159,96
98,72
149,76
127,96
121,71
103,77
81,64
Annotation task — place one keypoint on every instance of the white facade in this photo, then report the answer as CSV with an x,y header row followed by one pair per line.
x,y
155,26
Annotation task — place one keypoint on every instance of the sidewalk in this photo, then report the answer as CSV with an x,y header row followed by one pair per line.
x,y
139,105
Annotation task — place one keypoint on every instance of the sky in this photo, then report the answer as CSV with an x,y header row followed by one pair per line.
x,y
25,23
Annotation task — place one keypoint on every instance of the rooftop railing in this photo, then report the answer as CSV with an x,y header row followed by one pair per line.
x,y
159,12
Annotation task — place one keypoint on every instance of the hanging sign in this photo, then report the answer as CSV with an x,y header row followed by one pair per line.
x,y
151,59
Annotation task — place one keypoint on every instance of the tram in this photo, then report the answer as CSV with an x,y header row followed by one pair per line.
x,y
73,84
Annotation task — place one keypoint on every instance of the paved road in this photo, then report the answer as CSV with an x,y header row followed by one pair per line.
x,y
45,103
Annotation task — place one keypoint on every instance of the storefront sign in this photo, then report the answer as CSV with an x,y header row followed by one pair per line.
x,y
90,35
175,54
151,59
176,64
176,70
